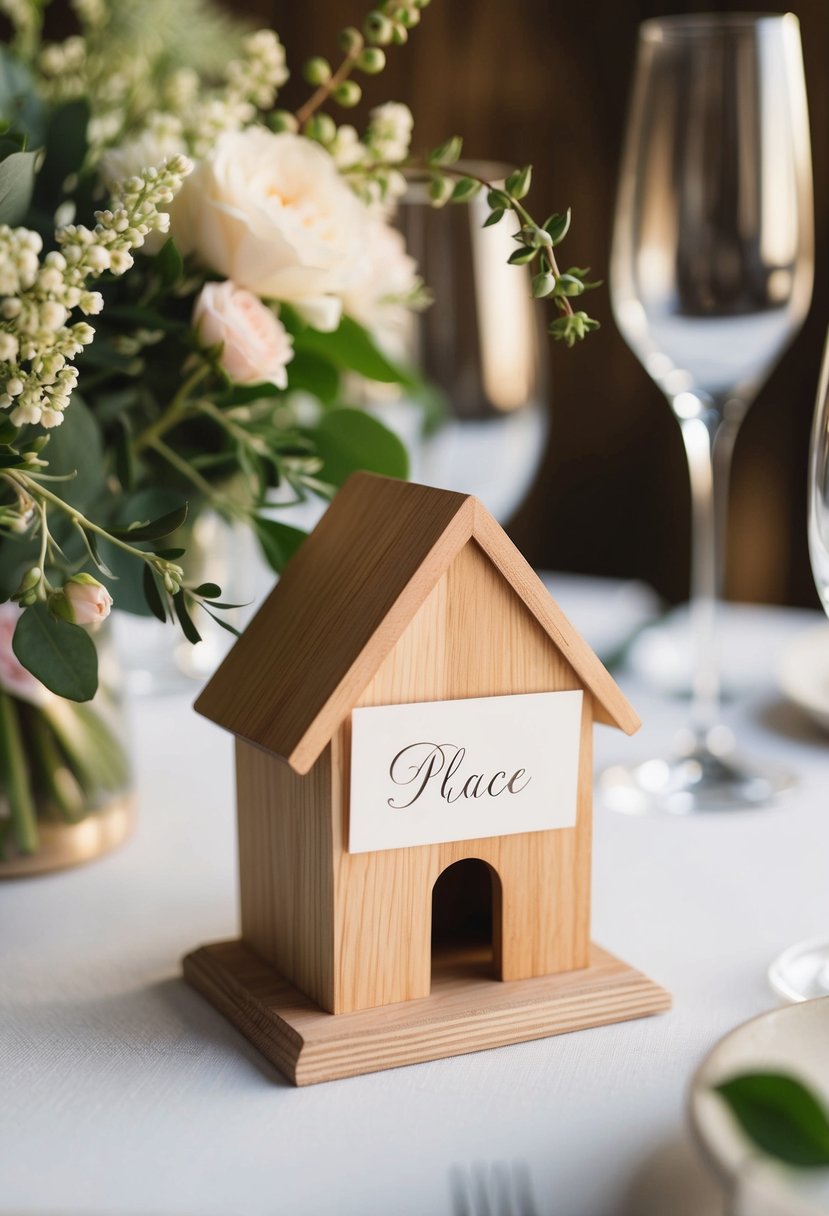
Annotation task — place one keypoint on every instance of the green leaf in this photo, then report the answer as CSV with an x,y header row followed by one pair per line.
x,y
494,217
349,440
154,529
65,152
207,590
224,624
243,394
448,152
312,374
278,541
76,447
61,655
780,1115
465,189
17,180
124,454
558,226
8,431
152,595
187,627
350,347
168,265
522,255
518,183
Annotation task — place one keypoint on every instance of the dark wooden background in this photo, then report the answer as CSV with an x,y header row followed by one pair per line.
x,y
547,81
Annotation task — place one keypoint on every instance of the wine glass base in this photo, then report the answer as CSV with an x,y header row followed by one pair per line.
x,y
801,973
700,781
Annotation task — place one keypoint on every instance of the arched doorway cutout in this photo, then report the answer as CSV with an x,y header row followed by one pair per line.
x,y
466,919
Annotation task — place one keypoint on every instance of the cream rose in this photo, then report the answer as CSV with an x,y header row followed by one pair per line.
x,y
389,276
255,346
272,213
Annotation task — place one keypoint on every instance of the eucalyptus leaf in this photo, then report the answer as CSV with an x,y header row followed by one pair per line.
x,y
17,180
59,654
350,440
780,1115
76,447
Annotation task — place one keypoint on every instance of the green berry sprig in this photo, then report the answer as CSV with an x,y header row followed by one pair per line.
x,y
536,242
388,23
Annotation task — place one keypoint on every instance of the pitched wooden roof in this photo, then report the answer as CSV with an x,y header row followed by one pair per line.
x,y
344,601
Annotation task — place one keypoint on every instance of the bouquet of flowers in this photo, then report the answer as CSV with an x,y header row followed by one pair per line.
x,y
191,279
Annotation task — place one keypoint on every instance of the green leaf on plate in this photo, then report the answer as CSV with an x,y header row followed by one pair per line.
x,y
351,440
61,655
780,1115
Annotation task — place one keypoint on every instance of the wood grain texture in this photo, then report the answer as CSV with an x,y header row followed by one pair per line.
x,y
286,867
344,601
472,637
467,1011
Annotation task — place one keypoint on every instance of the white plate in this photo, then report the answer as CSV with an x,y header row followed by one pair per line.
x,y
795,1040
803,672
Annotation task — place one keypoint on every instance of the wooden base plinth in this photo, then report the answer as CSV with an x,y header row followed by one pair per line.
x,y
467,1011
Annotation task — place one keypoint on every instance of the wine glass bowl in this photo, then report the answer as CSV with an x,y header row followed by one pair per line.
x,y
711,277
712,261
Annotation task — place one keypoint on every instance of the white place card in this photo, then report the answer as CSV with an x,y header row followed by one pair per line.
x,y
459,770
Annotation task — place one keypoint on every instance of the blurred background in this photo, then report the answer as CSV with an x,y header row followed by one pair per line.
x,y
545,81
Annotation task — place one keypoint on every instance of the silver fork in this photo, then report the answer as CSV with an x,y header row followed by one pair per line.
x,y
495,1189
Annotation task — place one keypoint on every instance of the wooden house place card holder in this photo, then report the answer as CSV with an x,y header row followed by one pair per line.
x,y
413,718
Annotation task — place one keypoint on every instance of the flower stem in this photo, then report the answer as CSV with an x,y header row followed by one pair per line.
x,y
321,95
18,789
36,490
193,476
174,412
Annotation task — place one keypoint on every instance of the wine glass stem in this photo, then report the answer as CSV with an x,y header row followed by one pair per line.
x,y
709,442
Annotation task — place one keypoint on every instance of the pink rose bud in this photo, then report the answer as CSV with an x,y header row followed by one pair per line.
x,y
89,601
254,345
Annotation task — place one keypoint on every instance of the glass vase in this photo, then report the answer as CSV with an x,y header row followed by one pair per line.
x,y
65,780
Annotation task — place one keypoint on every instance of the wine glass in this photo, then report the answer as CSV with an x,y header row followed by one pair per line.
x,y
480,344
711,278
802,971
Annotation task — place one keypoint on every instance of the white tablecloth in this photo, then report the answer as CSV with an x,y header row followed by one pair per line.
x,y
121,1091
